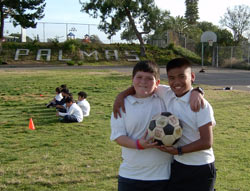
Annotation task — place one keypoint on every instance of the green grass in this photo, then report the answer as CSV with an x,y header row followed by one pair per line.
x,y
80,156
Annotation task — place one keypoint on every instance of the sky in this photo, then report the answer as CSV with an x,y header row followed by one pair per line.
x,y
68,11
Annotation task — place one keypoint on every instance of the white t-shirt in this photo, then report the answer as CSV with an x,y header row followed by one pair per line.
x,y
148,164
85,106
191,121
58,97
74,110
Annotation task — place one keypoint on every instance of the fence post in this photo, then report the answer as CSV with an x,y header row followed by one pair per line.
x,y
44,32
248,55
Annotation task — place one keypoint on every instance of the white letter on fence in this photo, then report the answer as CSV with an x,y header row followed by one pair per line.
x,y
39,54
18,52
60,57
90,54
108,56
132,57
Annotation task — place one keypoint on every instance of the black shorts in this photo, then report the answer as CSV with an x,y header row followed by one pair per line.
x,y
126,184
192,178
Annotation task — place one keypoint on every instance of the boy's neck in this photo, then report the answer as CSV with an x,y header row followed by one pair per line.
x,y
183,93
142,97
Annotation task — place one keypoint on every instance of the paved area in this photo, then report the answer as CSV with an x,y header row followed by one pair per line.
x,y
237,79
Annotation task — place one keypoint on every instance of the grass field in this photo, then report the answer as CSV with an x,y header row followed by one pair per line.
x,y
80,156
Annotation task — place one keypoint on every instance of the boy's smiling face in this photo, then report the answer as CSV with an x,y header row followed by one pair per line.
x,y
144,83
180,80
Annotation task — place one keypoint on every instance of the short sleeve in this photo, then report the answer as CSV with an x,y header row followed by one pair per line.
x,y
162,91
117,127
205,115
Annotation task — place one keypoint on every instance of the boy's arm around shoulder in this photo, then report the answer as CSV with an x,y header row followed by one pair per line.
x,y
162,90
196,99
119,101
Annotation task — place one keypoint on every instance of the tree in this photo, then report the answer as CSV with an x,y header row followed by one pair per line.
x,y
238,20
22,12
163,23
128,34
116,14
192,12
95,39
179,24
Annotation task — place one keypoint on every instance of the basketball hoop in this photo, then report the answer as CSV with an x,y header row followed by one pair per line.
x,y
210,42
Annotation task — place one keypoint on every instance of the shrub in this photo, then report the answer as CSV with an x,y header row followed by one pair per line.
x,y
71,63
80,63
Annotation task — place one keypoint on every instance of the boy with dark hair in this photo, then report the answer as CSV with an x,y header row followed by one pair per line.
x,y
63,86
73,112
60,105
83,103
193,166
56,99
144,167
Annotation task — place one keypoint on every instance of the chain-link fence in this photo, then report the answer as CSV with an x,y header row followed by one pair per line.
x,y
232,56
218,56
46,31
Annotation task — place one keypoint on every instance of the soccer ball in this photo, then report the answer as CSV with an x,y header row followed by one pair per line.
x,y
165,128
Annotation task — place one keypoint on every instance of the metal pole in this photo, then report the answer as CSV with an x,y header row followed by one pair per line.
x,y
202,53
217,59
231,56
66,31
43,32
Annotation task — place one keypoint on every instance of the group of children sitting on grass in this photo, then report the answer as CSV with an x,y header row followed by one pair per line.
x,y
67,109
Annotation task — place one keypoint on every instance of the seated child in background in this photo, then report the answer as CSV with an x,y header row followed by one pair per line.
x,y
60,105
83,103
56,99
73,112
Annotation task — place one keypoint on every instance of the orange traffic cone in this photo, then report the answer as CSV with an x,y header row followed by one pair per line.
x,y
31,124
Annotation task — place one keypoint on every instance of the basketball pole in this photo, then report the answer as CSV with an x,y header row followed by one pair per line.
x,y
202,53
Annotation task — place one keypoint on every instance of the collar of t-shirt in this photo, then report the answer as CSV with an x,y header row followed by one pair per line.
x,y
184,98
134,100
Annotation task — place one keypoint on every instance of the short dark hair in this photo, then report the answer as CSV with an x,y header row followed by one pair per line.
x,y
147,66
65,90
82,94
63,86
69,99
177,63
58,90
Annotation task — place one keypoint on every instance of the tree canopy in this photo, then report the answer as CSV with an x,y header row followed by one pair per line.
x,y
21,12
141,16
192,12
238,20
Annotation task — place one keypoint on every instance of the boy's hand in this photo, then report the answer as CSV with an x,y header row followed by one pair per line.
x,y
196,101
170,150
147,143
57,113
119,103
